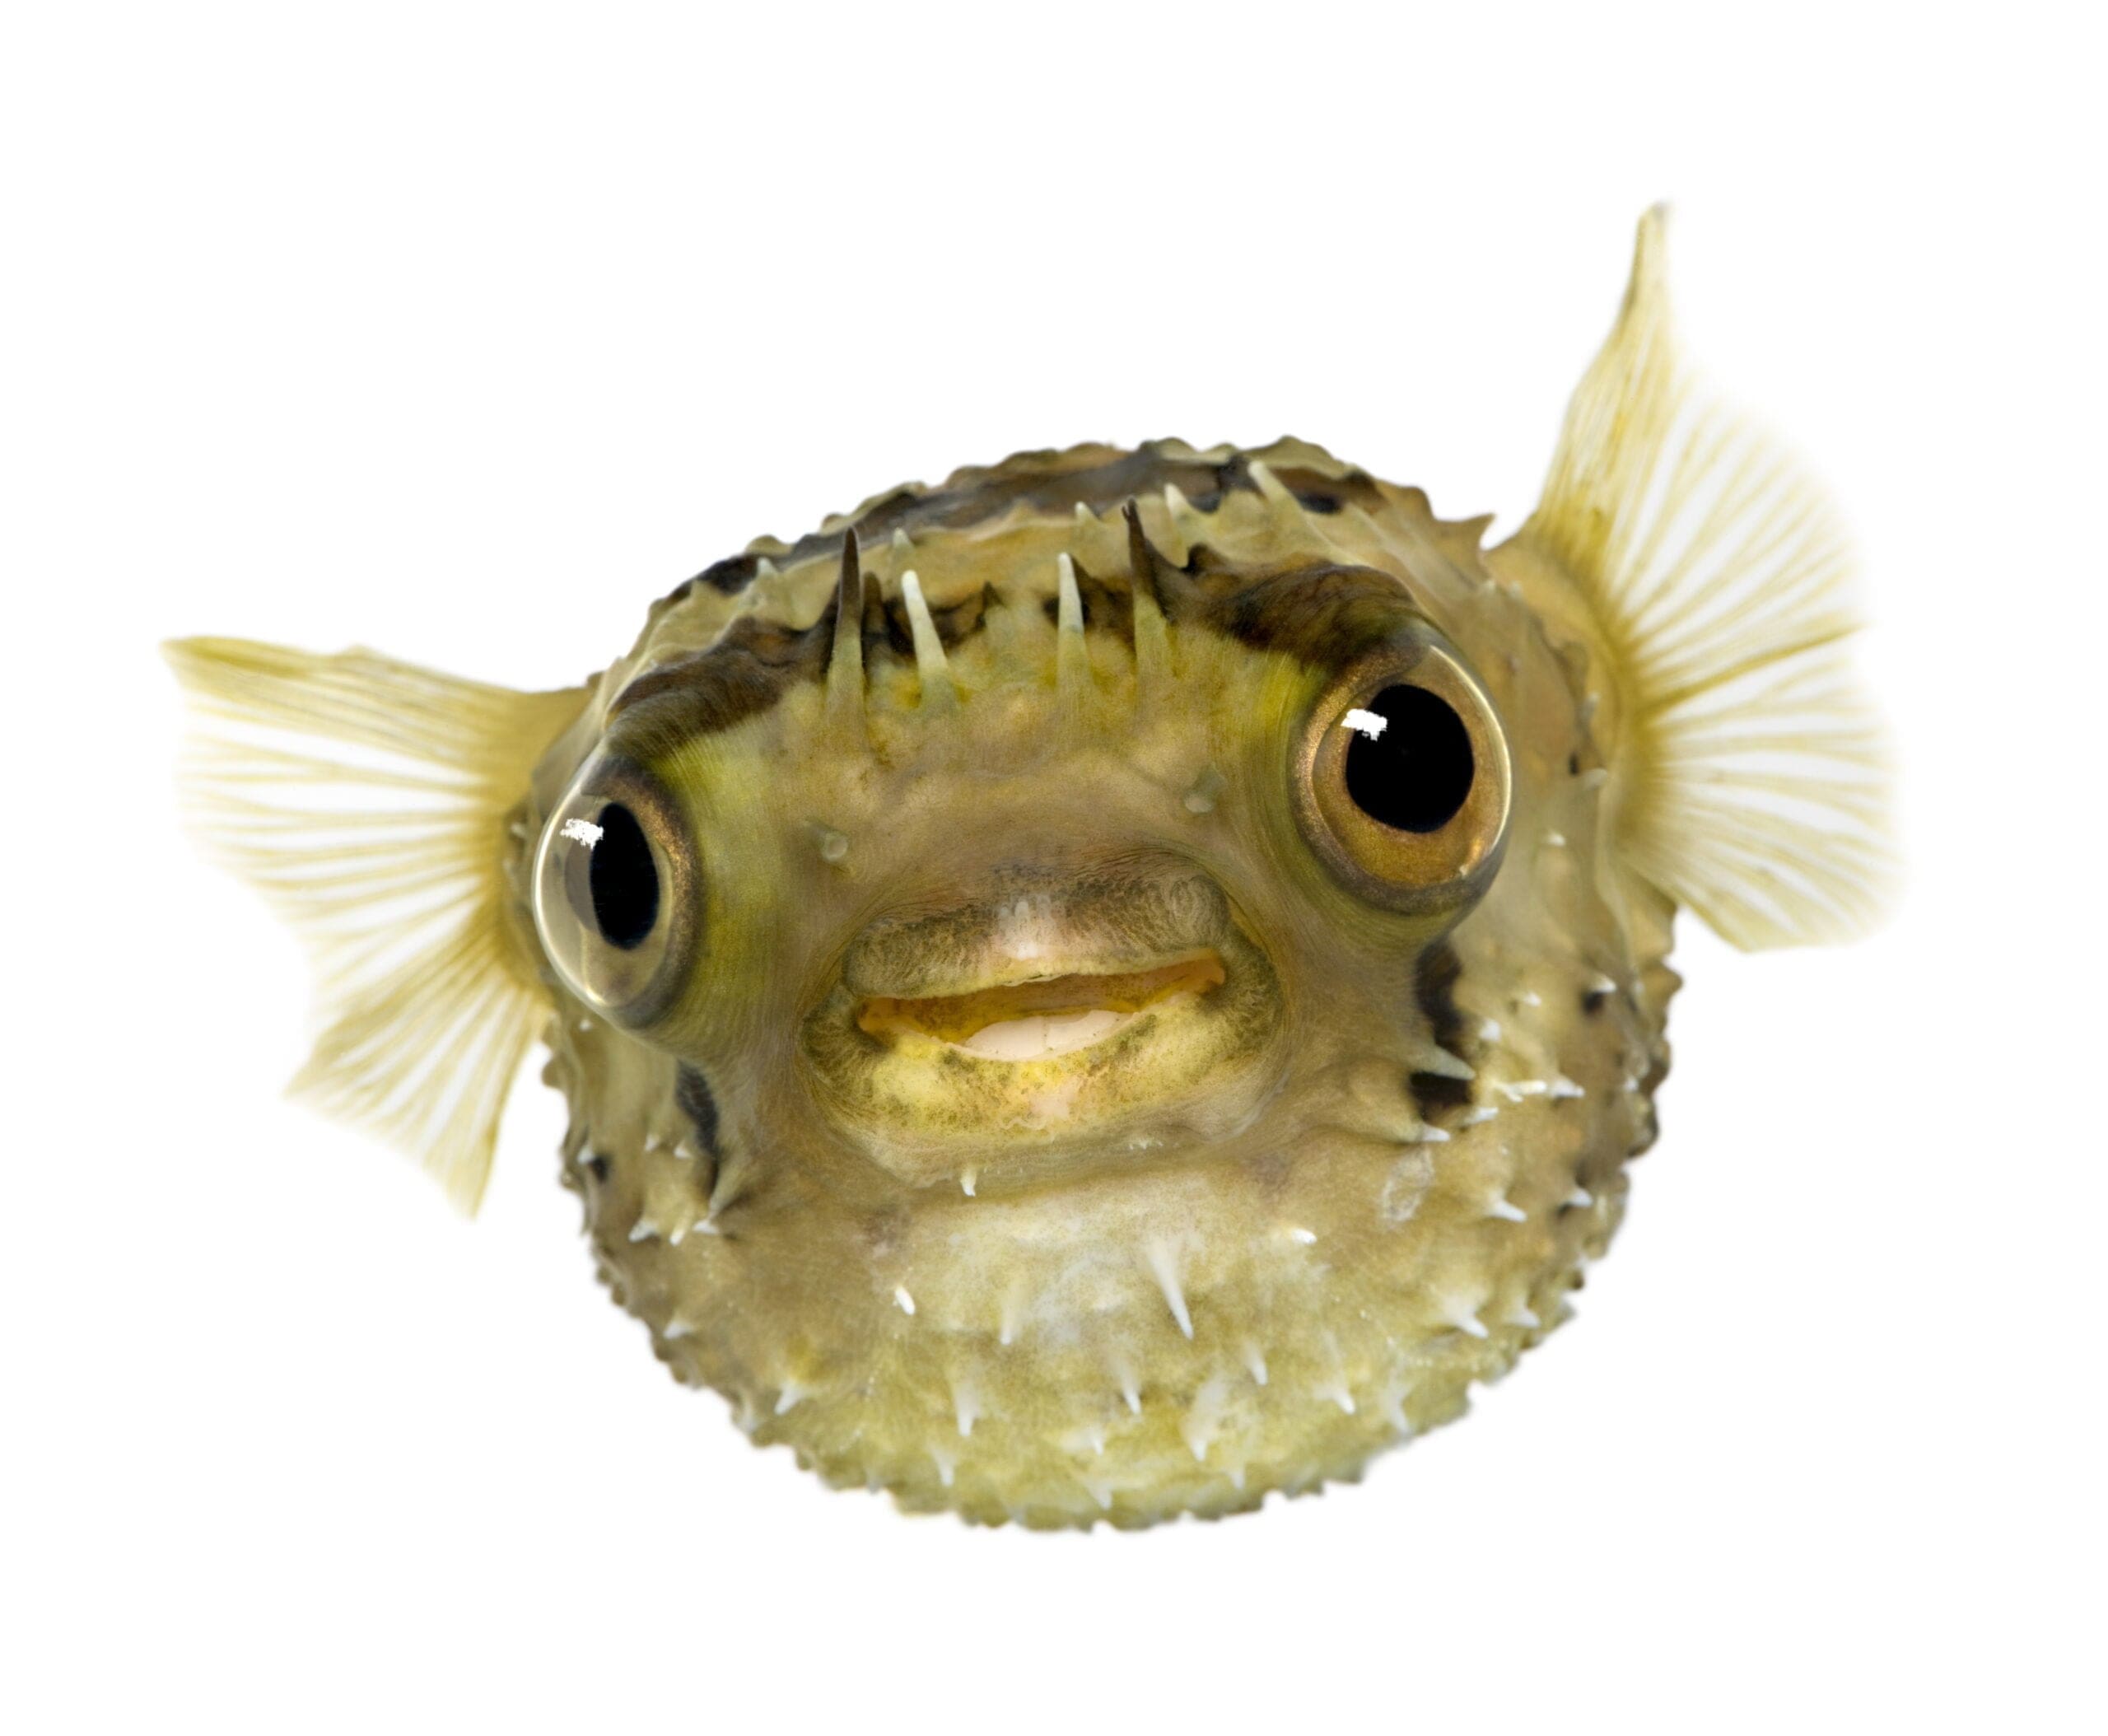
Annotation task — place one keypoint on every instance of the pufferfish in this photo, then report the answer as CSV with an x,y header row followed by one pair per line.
x,y
1114,985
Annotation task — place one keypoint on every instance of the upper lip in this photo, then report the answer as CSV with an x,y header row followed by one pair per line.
x,y
1033,929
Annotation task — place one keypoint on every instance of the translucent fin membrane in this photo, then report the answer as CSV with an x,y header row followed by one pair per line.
x,y
367,800
1755,782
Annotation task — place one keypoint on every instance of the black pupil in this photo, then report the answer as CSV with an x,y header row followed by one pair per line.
x,y
623,878
1415,775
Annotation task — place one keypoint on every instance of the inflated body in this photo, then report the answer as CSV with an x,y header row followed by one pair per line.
x,y
1125,981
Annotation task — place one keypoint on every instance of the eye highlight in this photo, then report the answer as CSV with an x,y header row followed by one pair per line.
x,y
616,892
1401,779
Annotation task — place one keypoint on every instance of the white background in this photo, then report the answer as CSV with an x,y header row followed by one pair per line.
x,y
464,332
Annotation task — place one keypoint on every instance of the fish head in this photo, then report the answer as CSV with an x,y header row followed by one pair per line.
x,y
1065,902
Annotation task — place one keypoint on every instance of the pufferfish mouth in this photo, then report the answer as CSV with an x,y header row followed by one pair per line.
x,y
1047,1025
1032,1017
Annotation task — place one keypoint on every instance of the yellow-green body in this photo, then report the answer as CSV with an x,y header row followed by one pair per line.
x,y
1259,1258
1356,1113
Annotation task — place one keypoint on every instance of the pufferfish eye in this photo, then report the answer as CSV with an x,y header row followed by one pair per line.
x,y
1410,765
1403,781
621,880
615,892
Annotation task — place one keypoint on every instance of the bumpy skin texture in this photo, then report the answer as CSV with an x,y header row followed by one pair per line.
x,y
1255,1236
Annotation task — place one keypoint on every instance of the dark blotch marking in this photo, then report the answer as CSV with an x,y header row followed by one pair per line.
x,y
962,620
886,622
1434,988
730,576
886,626
1108,607
1325,615
881,628
692,1093
746,671
694,1098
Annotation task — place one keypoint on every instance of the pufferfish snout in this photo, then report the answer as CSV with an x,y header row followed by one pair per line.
x,y
1064,1020
1119,983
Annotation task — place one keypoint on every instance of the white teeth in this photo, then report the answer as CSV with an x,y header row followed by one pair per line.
x,y
1043,1033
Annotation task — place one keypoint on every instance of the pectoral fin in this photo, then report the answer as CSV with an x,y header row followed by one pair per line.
x,y
368,800
1749,774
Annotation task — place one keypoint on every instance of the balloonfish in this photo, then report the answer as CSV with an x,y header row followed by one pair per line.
x,y
1114,985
